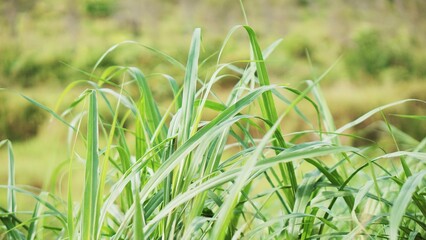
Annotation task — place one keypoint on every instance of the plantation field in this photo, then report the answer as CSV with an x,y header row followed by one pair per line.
x,y
220,132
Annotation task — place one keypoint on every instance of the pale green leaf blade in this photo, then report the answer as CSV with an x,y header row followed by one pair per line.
x,y
89,206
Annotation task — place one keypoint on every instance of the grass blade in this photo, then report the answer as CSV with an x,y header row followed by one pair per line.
x,y
11,196
10,220
89,206
267,106
149,118
138,222
190,82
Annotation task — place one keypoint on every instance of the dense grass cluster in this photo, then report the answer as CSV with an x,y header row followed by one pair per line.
x,y
212,168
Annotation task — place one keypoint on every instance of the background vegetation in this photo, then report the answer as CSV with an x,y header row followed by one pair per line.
x,y
46,45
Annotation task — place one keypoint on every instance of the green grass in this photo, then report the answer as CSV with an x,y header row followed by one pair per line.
x,y
210,168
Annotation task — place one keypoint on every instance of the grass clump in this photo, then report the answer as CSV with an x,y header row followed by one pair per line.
x,y
234,173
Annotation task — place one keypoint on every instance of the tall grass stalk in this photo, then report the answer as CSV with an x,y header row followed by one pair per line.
x,y
200,167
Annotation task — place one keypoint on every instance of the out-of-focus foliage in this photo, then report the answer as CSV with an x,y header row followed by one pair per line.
x,y
373,54
379,39
104,8
19,121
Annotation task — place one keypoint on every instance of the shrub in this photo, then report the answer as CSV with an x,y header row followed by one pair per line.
x,y
297,46
100,8
21,122
369,54
382,57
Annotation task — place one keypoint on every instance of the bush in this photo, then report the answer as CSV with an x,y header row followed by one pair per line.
x,y
20,122
100,8
297,45
369,54
381,57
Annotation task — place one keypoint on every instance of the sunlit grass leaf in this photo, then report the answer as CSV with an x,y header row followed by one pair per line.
x,y
89,207
149,118
190,84
138,221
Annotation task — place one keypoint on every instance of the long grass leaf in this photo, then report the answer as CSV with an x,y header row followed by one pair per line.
x,y
150,114
89,206
267,106
11,196
104,169
371,113
10,221
190,82
156,51
138,222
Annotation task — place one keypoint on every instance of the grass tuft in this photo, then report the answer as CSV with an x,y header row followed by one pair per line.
x,y
197,165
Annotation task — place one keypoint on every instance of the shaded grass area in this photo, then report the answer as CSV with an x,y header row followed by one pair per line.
x,y
162,171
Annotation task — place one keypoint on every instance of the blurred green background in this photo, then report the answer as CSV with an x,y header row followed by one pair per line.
x,y
379,46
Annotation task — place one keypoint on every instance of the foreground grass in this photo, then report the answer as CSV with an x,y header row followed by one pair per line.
x,y
153,173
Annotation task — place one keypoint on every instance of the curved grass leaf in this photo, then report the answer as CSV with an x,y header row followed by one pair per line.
x,y
371,113
50,111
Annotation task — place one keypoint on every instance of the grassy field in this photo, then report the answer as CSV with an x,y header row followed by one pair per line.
x,y
207,165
